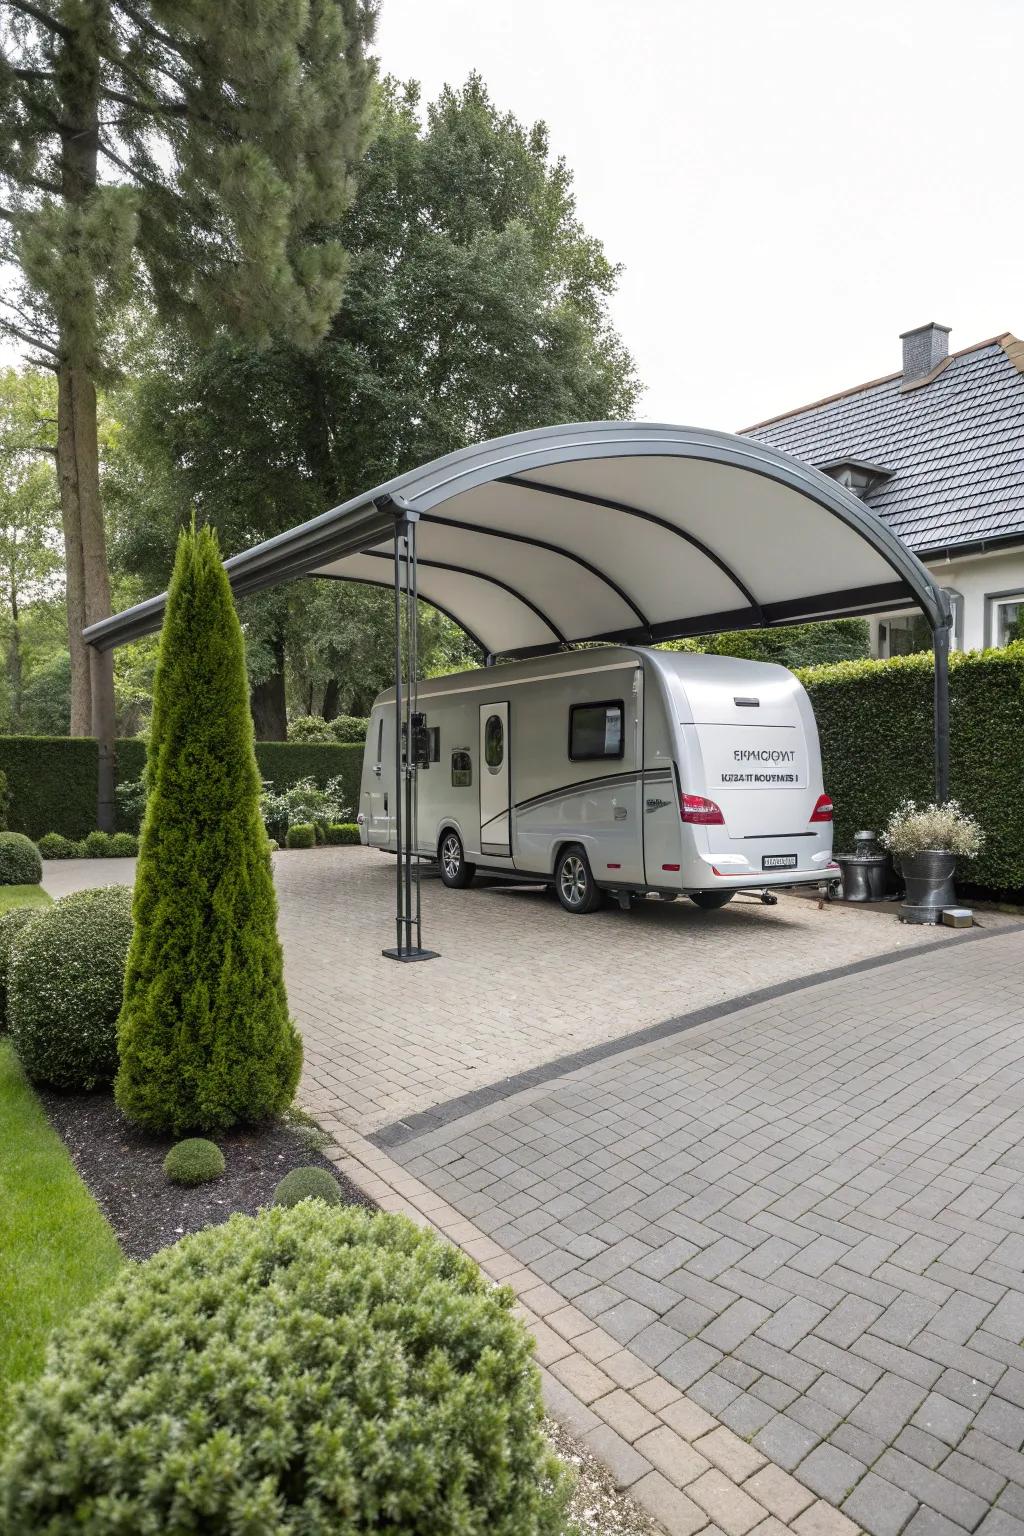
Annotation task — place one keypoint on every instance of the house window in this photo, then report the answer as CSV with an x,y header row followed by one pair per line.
x,y
462,770
1007,618
907,634
595,731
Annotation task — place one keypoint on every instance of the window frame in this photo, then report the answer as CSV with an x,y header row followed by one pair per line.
x,y
598,757
467,754
993,602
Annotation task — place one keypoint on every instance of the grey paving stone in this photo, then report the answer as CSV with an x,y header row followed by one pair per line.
x,y
775,1393
973,1475
939,1492
738,1371
901,1362
746,1414
867,1448
689,1363
943,1417
920,1446
959,1317
734,1325
928,1523
847,1321
1002,1421
904,1318
880,1507
830,1473
1007,1317
791,1322
785,1442
778,1363
835,1394
999,1522
838,1362
885,1409
714,1393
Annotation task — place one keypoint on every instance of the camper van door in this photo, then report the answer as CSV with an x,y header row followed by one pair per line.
x,y
495,787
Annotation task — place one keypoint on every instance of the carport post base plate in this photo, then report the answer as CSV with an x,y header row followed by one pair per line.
x,y
408,955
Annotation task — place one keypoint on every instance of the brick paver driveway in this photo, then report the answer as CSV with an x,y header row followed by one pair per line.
x,y
806,1216
754,1175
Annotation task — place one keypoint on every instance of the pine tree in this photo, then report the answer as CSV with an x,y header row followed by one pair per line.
x,y
204,143
204,1036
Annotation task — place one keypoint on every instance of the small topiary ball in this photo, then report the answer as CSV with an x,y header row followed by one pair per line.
x,y
307,1370
11,924
97,845
302,835
195,1161
20,863
307,1184
65,985
123,845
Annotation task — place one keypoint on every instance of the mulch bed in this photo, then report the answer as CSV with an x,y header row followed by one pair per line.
x,y
123,1169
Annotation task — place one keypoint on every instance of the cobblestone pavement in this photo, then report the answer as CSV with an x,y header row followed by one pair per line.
x,y
807,1217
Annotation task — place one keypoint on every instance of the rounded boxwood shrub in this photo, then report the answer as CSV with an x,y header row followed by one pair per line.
x,y
313,1369
194,1161
65,985
20,863
123,845
302,835
339,832
97,845
11,924
307,1184
53,845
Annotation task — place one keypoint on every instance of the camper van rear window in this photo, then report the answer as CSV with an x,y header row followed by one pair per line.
x,y
595,731
462,770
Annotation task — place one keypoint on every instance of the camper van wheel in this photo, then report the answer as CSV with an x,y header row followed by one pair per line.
x,y
574,883
451,856
710,901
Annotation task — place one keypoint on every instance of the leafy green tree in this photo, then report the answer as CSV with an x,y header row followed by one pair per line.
x,y
204,1035
476,304
206,146
30,560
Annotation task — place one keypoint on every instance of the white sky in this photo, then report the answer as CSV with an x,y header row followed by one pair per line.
x,y
788,183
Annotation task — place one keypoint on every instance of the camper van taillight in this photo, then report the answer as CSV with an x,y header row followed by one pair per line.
x,y
823,809
700,812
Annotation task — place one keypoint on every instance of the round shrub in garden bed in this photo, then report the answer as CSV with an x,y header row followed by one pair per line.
x,y
20,862
307,1184
312,1369
123,845
11,924
302,835
194,1161
64,988
97,845
54,845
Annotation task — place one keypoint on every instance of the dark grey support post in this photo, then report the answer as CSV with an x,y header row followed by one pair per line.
x,y
408,935
940,641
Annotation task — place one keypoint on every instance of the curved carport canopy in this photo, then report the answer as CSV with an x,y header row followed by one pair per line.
x,y
616,531
622,531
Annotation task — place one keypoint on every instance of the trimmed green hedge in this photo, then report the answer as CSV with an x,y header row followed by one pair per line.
x,y
875,724
53,778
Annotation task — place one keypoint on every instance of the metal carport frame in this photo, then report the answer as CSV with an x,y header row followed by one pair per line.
x,y
617,531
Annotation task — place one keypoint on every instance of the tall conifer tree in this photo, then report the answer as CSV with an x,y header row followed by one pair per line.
x,y
205,1040
205,143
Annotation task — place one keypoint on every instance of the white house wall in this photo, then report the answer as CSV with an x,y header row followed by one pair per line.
x,y
976,578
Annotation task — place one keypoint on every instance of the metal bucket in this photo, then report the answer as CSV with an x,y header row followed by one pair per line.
x,y
929,881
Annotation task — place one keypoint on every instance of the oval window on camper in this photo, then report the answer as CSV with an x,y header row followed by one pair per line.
x,y
494,743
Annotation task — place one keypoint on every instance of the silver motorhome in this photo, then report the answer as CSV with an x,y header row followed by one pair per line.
x,y
622,769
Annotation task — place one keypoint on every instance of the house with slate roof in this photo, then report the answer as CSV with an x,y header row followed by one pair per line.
x,y
938,451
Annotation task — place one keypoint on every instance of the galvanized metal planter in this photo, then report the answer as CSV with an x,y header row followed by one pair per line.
x,y
929,881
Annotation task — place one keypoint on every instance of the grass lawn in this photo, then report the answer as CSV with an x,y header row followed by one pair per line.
x,y
22,896
56,1248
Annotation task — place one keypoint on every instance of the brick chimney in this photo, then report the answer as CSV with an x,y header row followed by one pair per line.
x,y
924,349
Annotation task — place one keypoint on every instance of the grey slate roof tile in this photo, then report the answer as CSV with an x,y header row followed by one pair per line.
x,y
954,448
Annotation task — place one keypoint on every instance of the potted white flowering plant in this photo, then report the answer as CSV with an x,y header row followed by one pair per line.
x,y
927,841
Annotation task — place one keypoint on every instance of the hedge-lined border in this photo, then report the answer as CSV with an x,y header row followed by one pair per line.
x,y
53,779
875,723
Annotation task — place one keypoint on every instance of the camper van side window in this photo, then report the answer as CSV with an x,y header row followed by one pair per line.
x,y
595,731
380,738
462,770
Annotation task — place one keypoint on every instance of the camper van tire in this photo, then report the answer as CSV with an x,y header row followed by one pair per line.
x,y
451,856
574,882
710,901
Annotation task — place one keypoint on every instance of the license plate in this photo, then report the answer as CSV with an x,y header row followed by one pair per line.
x,y
778,861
